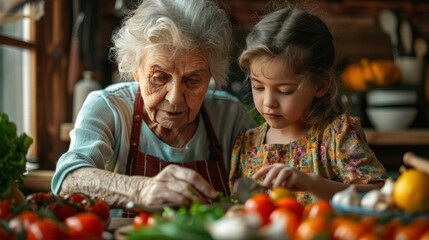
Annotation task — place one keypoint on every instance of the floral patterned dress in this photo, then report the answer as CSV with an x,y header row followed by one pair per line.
x,y
339,152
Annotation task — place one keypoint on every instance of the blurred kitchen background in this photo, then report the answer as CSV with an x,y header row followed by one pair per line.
x,y
48,47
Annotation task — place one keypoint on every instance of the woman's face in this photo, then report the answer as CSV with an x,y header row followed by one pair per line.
x,y
282,97
173,85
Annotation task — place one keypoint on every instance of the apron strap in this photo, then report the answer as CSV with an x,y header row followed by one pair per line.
x,y
135,131
215,148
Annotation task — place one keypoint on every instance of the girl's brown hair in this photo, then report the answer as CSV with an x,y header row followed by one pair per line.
x,y
306,45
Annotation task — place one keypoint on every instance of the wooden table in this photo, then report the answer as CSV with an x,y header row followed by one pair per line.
x,y
120,227
117,222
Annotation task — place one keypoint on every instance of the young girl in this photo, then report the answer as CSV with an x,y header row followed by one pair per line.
x,y
308,143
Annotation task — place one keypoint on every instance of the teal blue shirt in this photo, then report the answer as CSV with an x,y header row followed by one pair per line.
x,y
101,136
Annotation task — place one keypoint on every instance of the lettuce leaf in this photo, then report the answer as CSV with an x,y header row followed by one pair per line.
x,y
13,151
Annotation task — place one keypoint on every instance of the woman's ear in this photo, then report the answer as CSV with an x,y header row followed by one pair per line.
x,y
136,76
323,87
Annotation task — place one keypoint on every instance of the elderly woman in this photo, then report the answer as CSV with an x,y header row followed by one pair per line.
x,y
164,139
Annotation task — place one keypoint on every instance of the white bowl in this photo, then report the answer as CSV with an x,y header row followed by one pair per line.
x,y
383,97
391,118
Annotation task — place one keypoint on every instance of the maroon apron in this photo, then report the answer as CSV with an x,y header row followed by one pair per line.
x,y
142,164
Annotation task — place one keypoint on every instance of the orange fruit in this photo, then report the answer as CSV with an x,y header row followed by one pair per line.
x,y
410,192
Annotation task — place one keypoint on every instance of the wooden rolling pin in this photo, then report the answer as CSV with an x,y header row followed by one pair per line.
x,y
416,162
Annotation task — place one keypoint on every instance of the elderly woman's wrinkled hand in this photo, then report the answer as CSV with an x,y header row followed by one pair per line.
x,y
174,186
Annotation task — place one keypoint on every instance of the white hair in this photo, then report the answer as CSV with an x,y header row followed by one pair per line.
x,y
179,24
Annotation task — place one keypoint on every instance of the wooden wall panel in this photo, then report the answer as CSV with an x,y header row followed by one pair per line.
x,y
51,93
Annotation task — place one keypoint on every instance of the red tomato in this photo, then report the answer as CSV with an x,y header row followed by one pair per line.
x,y
101,208
321,208
292,205
142,220
261,204
5,232
23,221
85,225
44,228
79,199
5,205
40,199
62,210
291,220
75,197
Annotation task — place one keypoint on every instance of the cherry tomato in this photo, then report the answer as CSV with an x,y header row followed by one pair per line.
x,y
78,199
40,199
45,228
369,223
62,210
313,228
85,225
5,232
261,204
321,208
23,221
142,220
389,229
291,220
425,236
101,208
75,197
346,228
292,205
413,230
5,205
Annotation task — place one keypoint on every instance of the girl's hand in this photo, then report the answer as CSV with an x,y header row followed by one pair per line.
x,y
280,175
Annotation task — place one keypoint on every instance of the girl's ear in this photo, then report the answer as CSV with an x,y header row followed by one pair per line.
x,y
323,87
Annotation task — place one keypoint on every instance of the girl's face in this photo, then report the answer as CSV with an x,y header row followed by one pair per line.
x,y
173,85
282,97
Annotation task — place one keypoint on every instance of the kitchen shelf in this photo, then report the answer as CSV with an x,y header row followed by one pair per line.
x,y
410,137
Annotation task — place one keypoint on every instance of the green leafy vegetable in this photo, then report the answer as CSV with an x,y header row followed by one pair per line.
x,y
13,150
183,223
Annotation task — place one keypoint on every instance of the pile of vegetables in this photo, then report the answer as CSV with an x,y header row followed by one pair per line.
x,y
46,216
273,215
183,223
13,150
408,196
